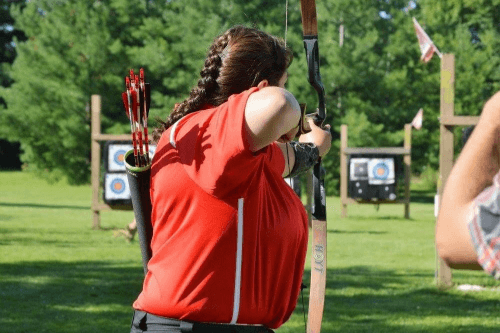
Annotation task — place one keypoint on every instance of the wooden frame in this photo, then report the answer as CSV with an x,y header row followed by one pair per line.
x,y
96,137
345,151
97,204
448,121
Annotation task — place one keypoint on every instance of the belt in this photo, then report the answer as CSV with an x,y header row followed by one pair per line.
x,y
149,322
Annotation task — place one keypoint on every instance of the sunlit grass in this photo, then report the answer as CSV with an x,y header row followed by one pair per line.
x,y
59,275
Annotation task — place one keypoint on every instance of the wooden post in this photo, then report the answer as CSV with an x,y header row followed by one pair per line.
x,y
447,100
407,163
96,158
343,171
96,137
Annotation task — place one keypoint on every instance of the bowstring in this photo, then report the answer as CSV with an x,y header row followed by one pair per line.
x,y
286,19
289,172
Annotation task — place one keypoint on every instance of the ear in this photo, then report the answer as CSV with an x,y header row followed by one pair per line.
x,y
263,83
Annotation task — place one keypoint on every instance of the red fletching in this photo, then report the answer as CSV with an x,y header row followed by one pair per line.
x,y
136,101
125,104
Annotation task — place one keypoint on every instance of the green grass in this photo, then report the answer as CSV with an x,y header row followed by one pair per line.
x,y
59,275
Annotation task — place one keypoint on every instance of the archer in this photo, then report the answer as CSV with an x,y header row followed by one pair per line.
x,y
229,235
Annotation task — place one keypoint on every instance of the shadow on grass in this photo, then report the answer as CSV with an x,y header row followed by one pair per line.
x,y
368,299
58,237
96,296
35,205
421,196
368,232
92,296
25,237
374,217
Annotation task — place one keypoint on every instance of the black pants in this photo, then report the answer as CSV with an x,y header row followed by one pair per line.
x,y
146,322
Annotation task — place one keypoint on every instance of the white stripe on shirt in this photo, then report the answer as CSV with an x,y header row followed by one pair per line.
x,y
172,133
239,254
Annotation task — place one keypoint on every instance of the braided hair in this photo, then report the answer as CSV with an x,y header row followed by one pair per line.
x,y
237,60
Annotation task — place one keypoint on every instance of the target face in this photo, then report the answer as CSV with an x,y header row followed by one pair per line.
x,y
358,169
119,157
381,171
116,156
116,187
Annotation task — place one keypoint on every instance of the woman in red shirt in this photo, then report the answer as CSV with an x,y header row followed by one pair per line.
x,y
229,235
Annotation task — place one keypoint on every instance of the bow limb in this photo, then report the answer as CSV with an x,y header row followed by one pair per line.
x,y
319,229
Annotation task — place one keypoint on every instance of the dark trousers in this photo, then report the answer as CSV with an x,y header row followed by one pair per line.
x,y
146,322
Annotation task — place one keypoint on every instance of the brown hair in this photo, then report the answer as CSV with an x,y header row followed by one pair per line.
x,y
237,60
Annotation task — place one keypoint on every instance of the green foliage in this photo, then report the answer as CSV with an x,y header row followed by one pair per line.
x,y
78,48
428,180
374,81
56,69
7,35
9,151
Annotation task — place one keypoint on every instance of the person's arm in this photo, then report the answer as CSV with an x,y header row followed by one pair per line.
x,y
320,137
270,113
472,173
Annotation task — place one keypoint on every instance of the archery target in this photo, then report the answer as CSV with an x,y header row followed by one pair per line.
x,y
358,169
116,156
381,171
116,187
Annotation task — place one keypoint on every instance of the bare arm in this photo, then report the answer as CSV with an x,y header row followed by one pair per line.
x,y
270,113
472,173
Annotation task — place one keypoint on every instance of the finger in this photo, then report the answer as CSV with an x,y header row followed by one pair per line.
x,y
311,122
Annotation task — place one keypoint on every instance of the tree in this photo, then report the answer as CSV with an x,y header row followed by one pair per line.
x,y
373,81
469,30
77,48
63,61
7,34
370,80
9,151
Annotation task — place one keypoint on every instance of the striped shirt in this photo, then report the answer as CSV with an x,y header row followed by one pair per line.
x,y
484,228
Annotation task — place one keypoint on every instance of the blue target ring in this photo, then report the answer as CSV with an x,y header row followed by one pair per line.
x,y
119,157
117,186
380,171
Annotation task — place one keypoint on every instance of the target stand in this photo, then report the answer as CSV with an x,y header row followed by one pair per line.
x,y
110,190
117,189
370,175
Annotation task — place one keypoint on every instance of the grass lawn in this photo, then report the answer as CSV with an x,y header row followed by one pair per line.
x,y
59,275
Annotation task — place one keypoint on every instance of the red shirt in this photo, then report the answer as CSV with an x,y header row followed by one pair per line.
x,y
229,235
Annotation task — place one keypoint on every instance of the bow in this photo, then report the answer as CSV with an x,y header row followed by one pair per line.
x,y
318,258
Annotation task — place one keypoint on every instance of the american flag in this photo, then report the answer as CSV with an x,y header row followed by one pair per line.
x,y
427,47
